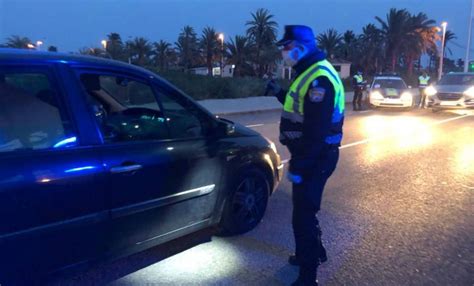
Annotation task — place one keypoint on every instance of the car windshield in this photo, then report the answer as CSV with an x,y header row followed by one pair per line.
x,y
457,79
389,83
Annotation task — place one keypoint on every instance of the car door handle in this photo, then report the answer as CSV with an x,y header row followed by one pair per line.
x,y
125,169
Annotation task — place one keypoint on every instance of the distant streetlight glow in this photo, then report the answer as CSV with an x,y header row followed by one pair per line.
x,y
104,44
39,44
31,46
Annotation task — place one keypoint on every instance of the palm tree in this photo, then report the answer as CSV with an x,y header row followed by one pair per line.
x,y
139,50
394,30
187,46
330,42
115,46
163,54
210,47
262,30
17,42
239,51
370,53
421,35
348,45
449,36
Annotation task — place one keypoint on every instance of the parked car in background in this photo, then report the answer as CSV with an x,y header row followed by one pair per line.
x,y
453,91
99,159
390,91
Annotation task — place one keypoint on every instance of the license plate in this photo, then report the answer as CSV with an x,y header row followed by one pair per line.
x,y
389,100
447,103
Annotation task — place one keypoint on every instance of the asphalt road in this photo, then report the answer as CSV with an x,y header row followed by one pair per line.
x,y
399,210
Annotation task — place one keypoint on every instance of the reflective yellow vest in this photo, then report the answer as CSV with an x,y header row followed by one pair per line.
x,y
359,79
293,109
423,81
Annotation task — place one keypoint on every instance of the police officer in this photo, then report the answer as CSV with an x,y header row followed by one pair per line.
x,y
358,86
423,82
311,128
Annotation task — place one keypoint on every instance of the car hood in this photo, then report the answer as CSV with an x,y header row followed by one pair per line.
x,y
244,131
390,91
451,88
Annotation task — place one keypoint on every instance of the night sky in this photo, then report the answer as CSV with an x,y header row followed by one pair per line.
x,y
73,24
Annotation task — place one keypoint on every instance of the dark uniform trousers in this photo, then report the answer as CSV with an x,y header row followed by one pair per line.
x,y
357,100
306,203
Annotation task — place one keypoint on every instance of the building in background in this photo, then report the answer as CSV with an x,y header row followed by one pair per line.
x,y
228,71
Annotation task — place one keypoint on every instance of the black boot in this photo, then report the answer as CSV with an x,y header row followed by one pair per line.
x,y
301,282
307,277
293,259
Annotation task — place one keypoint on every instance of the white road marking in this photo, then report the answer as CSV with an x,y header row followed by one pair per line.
x,y
254,125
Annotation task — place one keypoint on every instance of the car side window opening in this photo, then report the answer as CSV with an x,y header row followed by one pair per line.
x,y
30,114
183,118
125,109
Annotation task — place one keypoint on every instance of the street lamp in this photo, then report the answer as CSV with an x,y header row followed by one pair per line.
x,y
104,44
469,34
39,44
221,38
440,70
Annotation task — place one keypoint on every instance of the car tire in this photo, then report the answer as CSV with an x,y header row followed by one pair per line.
x,y
246,203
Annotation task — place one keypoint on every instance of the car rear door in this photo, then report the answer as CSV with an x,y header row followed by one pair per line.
x,y
52,203
158,184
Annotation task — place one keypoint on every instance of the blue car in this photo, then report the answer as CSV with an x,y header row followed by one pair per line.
x,y
100,159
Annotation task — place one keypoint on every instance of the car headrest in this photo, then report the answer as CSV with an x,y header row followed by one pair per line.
x,y
91,82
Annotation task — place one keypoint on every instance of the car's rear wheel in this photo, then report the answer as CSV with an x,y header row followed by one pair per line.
x,y
246,203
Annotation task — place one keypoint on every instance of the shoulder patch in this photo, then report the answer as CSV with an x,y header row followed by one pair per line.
x,y
316,94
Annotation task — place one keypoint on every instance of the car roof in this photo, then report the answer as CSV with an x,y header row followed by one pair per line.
x,y
460,73
388,77
32,55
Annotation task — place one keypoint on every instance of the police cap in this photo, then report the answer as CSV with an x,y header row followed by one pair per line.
x,y
299,33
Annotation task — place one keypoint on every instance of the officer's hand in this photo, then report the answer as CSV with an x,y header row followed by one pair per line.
x,y
294,178
273,87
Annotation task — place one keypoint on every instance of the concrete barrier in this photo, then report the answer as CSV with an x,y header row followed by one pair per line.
x,y
248,104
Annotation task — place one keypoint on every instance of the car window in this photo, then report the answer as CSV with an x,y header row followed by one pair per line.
x,y
184,119
458,79
389,83
125,109
30,115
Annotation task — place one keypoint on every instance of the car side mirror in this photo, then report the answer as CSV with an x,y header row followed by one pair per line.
x,y
225,127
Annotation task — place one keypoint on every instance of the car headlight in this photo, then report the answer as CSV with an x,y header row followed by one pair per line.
x,y
470,92
430,91
376,95
406,96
